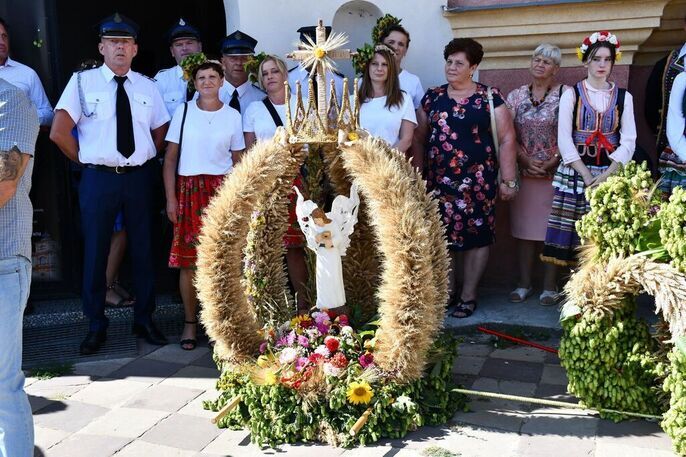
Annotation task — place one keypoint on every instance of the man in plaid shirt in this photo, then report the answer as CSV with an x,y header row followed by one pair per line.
x,y
18,133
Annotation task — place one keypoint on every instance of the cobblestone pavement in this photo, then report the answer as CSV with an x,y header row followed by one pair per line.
x,y
151,406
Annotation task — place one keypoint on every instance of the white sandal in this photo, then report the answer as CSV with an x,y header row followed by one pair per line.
x,y
520,294
549,298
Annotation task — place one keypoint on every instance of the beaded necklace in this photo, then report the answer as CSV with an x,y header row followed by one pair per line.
x,y
535,102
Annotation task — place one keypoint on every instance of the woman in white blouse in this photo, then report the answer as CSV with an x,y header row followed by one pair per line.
x,y
259,123
205,140
596,133
386,111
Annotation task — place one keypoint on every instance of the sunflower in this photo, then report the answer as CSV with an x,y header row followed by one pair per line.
x,y
359,393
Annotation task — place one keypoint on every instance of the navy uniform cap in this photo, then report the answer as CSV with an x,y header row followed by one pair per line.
x,y
118,26
311,31
238,43
182,29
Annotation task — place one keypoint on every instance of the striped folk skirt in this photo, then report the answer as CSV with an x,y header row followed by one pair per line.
x,y
670,179
193,194
569,206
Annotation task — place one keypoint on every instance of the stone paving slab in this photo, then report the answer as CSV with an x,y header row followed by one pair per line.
x,y
124,422
638,433
163,398
554,374
101,368
512,369
195,408
69,415
546,446
174,353
143,449
110,393
607,449
469,365
193,377
183,432
45,437
521,353
146,370
88,446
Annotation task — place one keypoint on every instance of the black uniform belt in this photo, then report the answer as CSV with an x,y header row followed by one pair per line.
x,y
120,170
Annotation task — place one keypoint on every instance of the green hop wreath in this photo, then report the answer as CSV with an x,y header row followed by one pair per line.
x,y
189,63
382,24
364,55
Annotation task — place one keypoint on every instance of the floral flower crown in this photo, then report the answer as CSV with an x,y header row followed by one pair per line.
x,y
252,66
190,63
383,24
366,53
595,37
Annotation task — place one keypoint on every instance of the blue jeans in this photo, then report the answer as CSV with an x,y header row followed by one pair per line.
x,y
16,423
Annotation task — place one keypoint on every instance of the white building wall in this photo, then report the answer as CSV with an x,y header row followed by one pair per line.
x,y
274,23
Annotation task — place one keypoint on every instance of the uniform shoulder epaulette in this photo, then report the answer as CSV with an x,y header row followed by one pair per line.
x,y
150,78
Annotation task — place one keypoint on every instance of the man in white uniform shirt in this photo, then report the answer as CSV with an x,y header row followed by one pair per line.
x,y
237,91
23,77
302,74
184,40
121,122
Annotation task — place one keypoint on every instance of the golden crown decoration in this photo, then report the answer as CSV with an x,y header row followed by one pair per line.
x,y
319,119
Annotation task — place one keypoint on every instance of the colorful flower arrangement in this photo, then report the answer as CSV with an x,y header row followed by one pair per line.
x,y
595,37
315,376
382,25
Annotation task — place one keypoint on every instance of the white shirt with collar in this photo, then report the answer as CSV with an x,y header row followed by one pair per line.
x,y
26,79
95,115
172,87
247,93
300,74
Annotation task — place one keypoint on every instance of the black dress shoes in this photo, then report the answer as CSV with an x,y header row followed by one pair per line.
x,y
151,334
92,343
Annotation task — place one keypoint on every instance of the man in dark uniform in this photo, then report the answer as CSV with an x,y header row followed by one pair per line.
x,y
237,91
658,90
121,122
184,40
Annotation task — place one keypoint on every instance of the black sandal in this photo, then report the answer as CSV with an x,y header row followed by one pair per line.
x,y
464,308
192,342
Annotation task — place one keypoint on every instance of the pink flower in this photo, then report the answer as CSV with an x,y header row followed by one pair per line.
x,y
343,320
322,351
321,318
366,359
331,370
339,360
316,358
301,362
263,347
303,341
323,328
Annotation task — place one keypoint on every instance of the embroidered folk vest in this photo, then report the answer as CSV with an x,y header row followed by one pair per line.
x,y
596,134
674,66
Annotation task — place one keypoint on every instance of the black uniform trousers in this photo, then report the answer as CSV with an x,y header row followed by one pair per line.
x,y
102,195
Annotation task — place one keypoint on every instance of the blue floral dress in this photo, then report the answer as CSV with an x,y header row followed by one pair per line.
x,y
462,164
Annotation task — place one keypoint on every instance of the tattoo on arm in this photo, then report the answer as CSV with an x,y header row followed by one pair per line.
x,y
10,165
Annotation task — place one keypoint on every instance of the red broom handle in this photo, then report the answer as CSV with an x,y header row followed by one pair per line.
x,y
517,340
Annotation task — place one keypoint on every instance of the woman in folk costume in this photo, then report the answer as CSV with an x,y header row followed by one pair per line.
x,y
596,133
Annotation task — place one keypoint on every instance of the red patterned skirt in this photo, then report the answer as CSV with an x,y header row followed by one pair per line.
x,y
194,194
294,237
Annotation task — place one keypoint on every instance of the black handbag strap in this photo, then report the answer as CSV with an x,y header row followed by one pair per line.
x,y
183,122
272,111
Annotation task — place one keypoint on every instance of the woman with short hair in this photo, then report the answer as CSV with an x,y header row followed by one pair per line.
x,y
455,135
204,142
534,107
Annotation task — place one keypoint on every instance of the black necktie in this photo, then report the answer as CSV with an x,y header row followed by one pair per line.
x,y
125,143
234,103
189,94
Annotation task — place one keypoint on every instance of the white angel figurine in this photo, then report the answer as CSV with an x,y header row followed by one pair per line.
x,y
328,235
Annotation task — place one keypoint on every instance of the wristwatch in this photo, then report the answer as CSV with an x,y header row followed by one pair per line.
x,y
512,184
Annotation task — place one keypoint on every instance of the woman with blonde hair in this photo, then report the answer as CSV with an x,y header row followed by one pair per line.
x,y
535,107
259,123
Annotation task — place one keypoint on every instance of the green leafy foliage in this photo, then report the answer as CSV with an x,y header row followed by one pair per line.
x,y
673,228
674,420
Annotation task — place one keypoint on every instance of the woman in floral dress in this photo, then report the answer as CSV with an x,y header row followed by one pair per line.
x,y
454,132
535,109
